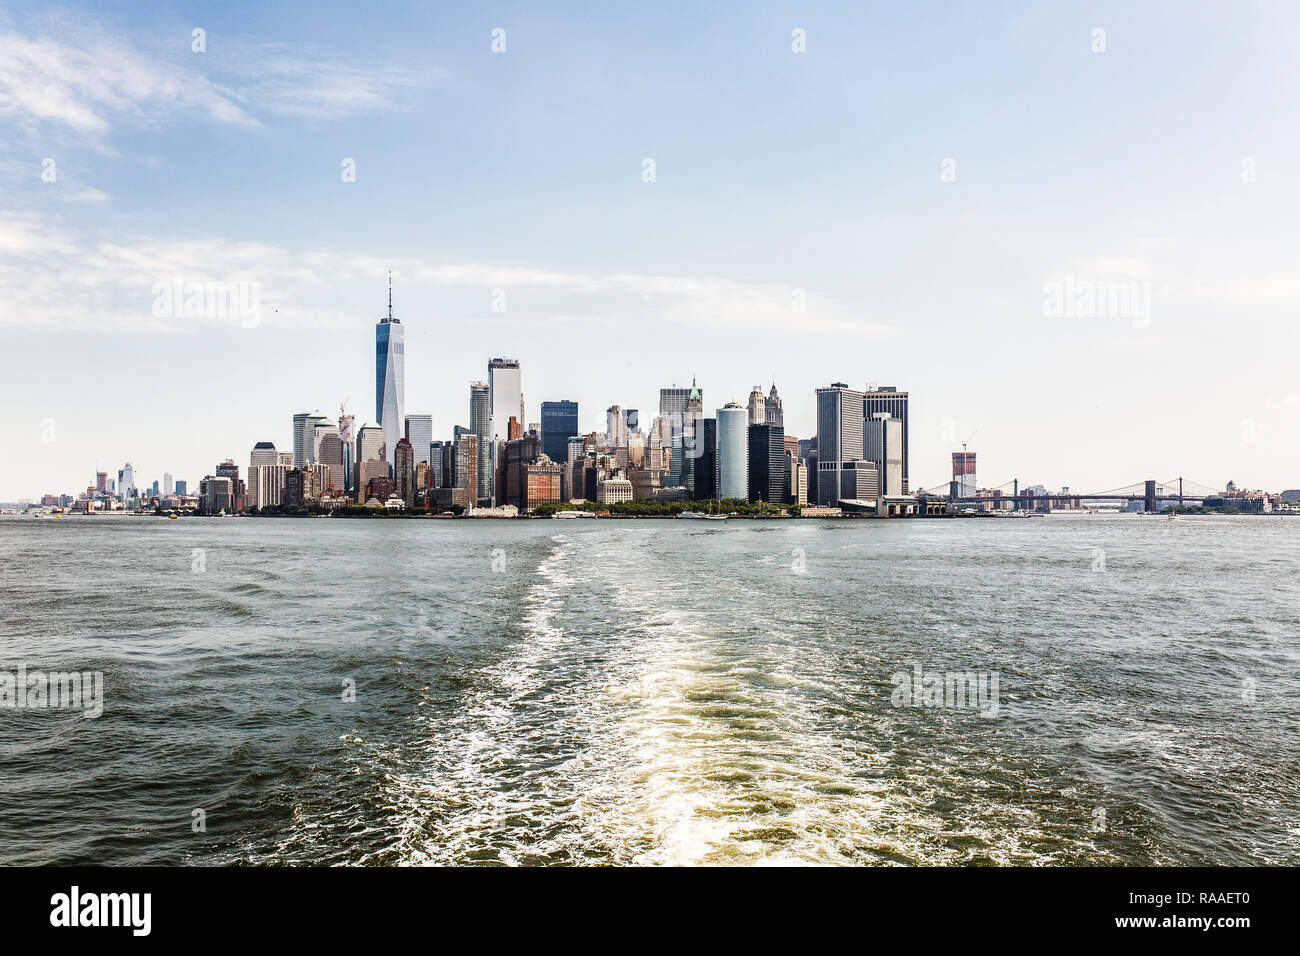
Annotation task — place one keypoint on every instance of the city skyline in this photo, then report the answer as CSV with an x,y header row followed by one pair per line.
x,y
949,243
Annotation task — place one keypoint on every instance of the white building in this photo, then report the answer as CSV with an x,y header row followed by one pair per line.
x,y
613,490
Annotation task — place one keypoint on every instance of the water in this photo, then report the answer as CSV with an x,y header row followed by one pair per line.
x,y
658,692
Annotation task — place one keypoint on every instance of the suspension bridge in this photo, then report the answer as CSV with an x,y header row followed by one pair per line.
x,y
1150,492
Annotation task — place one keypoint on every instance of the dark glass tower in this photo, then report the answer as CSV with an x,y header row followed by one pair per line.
x,y
767,478
559,424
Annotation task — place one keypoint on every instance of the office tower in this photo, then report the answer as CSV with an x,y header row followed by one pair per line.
x,y
633,419
805,447
506,387
559,424
330,455
733,452
767,480
404,471
371,443
859,480
126,481
514,429
774,410
963,474
675,405
266,484
466,469
262,455
371,458
797,486
436,464
305,426
390,374
757,406
169,486
882,443
216,495
321,431
299,442
480,424
839,438
705,466
153,491
891,401
101,482
689,450
182,488
238,491
616,431
348,437
419,432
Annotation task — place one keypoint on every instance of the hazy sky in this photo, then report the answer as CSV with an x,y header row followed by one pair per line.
x,y
929,180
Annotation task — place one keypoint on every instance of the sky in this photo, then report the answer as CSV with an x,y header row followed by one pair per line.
x,y
1068,230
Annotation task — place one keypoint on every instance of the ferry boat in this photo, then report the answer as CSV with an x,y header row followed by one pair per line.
x,y
573,514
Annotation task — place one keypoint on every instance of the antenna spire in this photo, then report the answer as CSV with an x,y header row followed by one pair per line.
x,y
390,295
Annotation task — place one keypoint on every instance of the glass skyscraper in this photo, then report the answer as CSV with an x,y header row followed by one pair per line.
x,y
419,432
480,424
559,424
733,452
390,375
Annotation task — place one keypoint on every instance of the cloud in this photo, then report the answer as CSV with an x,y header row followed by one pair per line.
x,y
56,283
88,80
81,84
304,81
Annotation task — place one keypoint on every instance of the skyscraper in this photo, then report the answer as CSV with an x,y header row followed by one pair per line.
x,y
347,437
890,400
733,452
126,481
315,428
390,374
767,479
299,455
260,483
675,405
963,473
506,386
839,438
774,408
480,424
371,444
330,457
168,486
404,472
419,431
616,426
559,424
757,406
704,469
882,443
